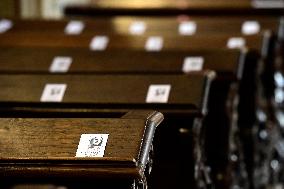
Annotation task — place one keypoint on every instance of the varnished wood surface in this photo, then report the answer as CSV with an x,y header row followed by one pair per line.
x,y
153,25
47,147
73,185
35,186
97,91
101,98
39,60
59,138
131,42
140,7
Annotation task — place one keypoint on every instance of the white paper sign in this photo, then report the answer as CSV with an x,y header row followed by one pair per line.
x,y
92,145
236,42
250,27
60,64
5,25
53,93
74,27
137,28
158,93
279,95
99,43
154,43
192,64
187,28
258,4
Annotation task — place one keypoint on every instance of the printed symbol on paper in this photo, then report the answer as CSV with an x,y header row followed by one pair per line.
x,y
192,64
96,141
53,93
158,93
154,43
92,145
60,64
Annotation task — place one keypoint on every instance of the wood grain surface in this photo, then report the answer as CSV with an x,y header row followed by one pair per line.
x,y
39,60
168,26
59,138
105,89
183,43
46,148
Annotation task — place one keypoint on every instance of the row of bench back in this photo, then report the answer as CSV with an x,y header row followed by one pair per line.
x,y
108,96
265,85
170,25
169,7
32,149
118,89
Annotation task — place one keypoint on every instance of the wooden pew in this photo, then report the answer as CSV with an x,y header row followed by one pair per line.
x,y
168,27
229,70
111,152
228,64
260,44
15,60
172,26
246,83
109,95
246,119
170,7
121,41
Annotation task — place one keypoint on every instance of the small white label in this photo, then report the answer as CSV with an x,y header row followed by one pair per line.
x,y
250,27
60,64
154,43
53,93
187,28
92,145
192,64
99,43
236,42
5,25
137,28
74,27
158,93
268,4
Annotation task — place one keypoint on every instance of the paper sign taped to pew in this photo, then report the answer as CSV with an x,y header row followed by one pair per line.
x,y
192,64
187,28
53,93
137,28
154,43
250,27
158,93
74,27
236,43
259,4
60,64
92,145
5,25
99,43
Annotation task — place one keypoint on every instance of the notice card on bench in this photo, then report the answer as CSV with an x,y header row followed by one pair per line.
x,y
92,145
158,93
